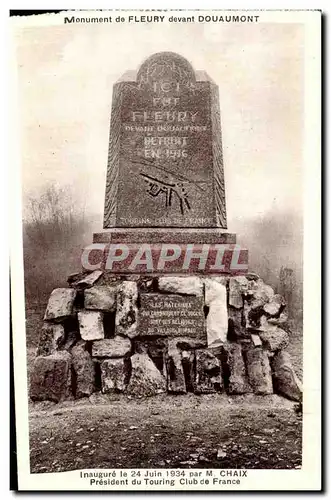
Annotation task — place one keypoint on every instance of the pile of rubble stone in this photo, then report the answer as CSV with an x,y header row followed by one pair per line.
x,y
91,340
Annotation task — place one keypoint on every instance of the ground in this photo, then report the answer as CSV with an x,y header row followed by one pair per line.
x,y
166,431
191,431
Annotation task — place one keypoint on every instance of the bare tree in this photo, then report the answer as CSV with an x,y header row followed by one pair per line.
x,y
53,232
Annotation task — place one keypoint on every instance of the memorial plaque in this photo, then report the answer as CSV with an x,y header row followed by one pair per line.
x,y
165,166
171,316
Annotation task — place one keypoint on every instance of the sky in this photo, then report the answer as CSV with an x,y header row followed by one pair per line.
x,y
65,79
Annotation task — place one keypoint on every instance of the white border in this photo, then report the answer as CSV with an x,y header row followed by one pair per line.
x,y
308,477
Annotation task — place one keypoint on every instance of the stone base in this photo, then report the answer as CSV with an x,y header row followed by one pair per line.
x,y
170,334
155,235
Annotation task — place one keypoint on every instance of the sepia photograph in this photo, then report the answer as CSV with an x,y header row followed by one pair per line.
x,y
164,311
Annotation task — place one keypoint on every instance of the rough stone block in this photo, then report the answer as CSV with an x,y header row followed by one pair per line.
x,y
186,286
91,325
60,304
236,324
274,338
156,349
218,279
252,276
256,340
175,371
285,380
208,372
50,339
281,320
145,380
237,383
154,346
114,375
259,371
258,293
262,303
51,377
88,280
188,361
275,306
217,318
186,343
74,277
117,347
127,311
101,298
84,372
254,315
237,287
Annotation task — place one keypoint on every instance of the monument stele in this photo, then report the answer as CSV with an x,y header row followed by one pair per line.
x,y
165,162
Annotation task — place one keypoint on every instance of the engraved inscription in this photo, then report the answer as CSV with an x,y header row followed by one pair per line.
x,y
171,316
165,166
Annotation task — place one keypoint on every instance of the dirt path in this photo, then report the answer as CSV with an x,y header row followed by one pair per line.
x,y
164,431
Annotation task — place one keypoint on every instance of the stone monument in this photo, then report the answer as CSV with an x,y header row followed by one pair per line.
x,y
165,164
165,176
164,303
